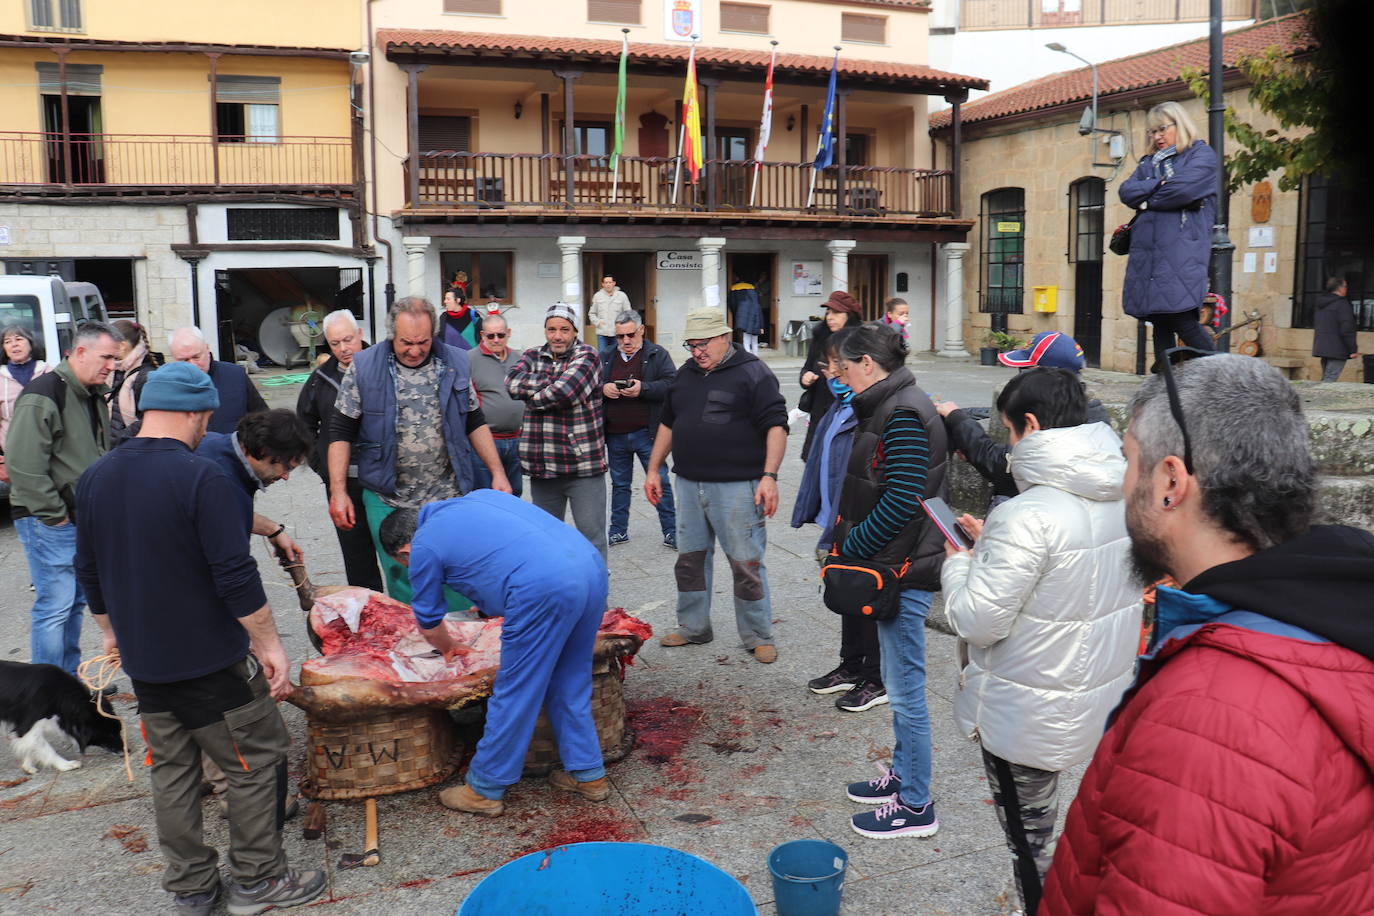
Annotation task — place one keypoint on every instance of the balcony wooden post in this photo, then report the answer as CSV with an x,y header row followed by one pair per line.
x,y
412,72
841,154
542,174
956,99
569,134
708,87
66,117
214,113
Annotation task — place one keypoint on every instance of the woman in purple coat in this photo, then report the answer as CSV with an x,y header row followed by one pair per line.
x,y
1174,191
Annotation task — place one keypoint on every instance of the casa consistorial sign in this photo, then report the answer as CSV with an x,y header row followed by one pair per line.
x,y
678,260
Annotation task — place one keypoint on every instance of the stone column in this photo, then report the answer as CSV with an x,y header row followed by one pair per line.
x,y
570,285
954,300
416,248
712,294
839,262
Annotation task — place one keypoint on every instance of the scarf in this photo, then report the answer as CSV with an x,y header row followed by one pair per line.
x,y
1162,159
23,372
842,392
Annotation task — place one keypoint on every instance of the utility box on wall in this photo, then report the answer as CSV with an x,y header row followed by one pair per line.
x,y
1046,299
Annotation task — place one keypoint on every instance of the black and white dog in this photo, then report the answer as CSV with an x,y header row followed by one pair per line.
x,y
41,701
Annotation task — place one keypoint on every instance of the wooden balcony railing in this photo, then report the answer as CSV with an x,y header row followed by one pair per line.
x,y
1036,14
162,160
535,181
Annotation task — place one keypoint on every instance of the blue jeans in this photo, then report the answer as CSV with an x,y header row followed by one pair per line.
x,y
509,450
605,343
902,645
58,601
707,511
621,449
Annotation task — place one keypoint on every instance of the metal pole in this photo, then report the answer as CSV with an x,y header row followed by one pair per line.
x,y
1223,250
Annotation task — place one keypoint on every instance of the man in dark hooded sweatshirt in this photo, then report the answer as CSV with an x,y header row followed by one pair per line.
x,y
1237,775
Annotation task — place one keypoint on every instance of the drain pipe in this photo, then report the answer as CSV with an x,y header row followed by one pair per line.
x,y
389,291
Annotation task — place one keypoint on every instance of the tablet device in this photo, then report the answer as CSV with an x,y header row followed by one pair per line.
x,y
943,516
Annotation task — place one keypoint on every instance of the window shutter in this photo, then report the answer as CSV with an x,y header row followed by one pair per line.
x,y
445,133
744,17
613,11
857,27
82,79
257,90
487,7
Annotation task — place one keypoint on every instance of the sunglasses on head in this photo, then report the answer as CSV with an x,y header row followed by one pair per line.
x,y
1164,367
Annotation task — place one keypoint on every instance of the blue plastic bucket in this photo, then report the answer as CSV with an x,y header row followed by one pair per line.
x,y
601,879
808,877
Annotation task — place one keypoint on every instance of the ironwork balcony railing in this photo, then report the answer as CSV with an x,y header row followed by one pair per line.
x,y
90,161
541,181
1036,14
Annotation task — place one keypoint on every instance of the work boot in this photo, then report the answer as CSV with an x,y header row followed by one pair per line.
x,y
290,888
678,638
463,798
593,790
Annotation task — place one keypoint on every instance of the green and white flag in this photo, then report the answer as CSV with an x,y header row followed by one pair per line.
x,y
620,104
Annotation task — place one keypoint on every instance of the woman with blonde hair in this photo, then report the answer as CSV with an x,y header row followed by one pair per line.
x,y
1174,194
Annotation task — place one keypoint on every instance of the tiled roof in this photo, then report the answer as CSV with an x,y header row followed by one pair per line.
x,y
901,77
1139,71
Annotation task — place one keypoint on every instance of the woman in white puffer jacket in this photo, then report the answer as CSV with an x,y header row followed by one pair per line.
x,y
1049,609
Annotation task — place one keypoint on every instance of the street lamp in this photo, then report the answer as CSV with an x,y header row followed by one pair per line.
x,y
1056,46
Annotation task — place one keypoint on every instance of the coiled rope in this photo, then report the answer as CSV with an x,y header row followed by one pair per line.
x,y
97,674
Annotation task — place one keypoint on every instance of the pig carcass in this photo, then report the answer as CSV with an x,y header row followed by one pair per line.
x,y
376,659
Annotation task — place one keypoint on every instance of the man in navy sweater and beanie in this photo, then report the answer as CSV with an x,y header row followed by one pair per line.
x,y
725,422
161,554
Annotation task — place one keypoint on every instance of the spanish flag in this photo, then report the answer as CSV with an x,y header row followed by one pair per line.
x,y
691,120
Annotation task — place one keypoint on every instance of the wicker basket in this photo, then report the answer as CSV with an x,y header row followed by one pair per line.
x,y
608,711
398,752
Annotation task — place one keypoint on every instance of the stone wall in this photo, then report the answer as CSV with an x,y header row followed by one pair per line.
x,y
1340,417
162,281
1045,156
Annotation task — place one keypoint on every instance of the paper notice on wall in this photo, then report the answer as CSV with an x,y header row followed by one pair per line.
x,y
1271,262
548,270
1249,262
572,291
711,294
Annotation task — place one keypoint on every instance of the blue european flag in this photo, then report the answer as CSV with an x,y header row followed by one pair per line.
x,y
825,147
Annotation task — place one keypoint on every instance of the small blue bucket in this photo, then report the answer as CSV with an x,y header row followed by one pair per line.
x,y
808,877
603,879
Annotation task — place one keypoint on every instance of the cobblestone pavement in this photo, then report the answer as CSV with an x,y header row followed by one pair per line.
x,y
762,760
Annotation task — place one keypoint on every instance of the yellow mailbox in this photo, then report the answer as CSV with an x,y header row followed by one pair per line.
x,y
1046,298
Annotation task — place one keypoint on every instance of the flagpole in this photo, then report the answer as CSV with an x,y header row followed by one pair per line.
x,y
620,115
825,129
682,128
768,109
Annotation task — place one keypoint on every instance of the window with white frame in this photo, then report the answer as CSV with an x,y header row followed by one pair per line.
x,y
55,15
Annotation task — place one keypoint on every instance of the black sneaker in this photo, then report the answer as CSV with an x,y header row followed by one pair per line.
x,y
875,791
833,682
290,888
202,904
895,819
670,540
865,696
617,537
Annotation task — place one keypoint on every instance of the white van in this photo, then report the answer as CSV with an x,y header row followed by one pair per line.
x,y
51,308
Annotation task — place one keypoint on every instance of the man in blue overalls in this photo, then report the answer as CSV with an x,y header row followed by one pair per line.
x,y
550,584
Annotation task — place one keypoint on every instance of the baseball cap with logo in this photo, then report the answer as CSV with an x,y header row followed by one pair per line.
x,y
1048,348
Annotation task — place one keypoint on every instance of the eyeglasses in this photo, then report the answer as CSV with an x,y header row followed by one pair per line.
x,y
629,336
501,336
691,347
1156,131
1164,367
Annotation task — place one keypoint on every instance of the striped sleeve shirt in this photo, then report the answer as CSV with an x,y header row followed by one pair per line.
x,y
905,458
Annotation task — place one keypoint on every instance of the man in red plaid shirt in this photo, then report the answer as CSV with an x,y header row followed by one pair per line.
x,y
562,448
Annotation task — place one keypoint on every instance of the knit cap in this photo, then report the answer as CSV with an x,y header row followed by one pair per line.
x,y
178,386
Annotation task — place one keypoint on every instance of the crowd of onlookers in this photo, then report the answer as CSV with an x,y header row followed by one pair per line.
x,y
1234,772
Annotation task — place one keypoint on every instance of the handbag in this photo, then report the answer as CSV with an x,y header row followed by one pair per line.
x,y
861,588
1121,238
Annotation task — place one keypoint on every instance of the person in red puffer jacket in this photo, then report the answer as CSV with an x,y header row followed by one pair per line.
x,y
1237,775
